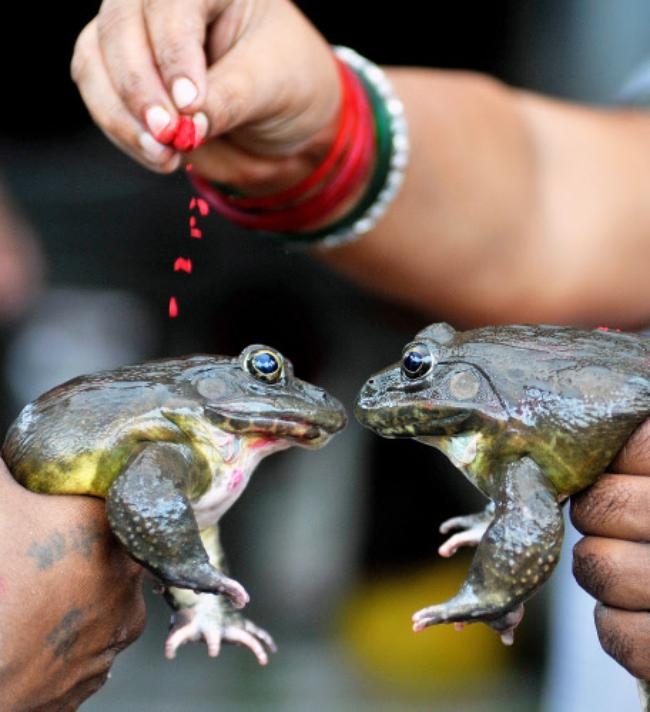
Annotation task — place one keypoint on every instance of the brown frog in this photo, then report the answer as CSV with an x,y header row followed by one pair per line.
x,y
171,445
530,415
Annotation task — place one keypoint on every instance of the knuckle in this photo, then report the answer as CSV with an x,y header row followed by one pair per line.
x,y
109,19
231,103
95,683
594,572
81,55
172,55
599,506
614,642
113,124
130,85
621,642
635,454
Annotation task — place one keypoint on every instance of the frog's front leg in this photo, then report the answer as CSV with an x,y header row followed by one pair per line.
x,y
472,526
515,556
152,517
210,618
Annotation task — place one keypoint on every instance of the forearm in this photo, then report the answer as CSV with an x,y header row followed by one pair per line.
x,y
514,207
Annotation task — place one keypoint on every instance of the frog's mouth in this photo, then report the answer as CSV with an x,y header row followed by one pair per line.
x,y
311,433
409,422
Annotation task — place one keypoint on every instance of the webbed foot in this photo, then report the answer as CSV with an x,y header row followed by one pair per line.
x,y
515,556
207,621
504,625
472,526
205,578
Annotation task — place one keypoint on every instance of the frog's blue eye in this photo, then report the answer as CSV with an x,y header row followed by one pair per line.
x,y
416,361
265,365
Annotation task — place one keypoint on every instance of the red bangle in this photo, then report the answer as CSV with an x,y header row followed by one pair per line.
x,y
340,173
344,131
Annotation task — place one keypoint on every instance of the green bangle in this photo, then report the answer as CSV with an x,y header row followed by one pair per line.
x,y
392,157
381,170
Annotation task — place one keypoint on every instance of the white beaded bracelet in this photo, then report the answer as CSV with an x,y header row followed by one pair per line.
x,y
399,151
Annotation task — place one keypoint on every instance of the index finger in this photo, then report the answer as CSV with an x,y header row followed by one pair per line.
x,y
177,33
617,505
634,458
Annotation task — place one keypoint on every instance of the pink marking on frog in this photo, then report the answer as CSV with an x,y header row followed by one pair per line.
x,y
260,443
236,480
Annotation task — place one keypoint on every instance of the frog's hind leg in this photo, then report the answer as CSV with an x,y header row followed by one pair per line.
x,y
152,517
515,556
201,616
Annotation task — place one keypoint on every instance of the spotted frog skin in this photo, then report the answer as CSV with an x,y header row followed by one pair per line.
x,y
171,445
530,414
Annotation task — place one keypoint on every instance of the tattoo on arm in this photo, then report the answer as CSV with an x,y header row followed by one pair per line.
x,y
80,540
63,636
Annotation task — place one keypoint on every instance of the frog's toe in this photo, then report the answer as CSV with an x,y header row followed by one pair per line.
x,y
256,639
431,616
505,626
187,627
204,578
191,625
219,583
470,537
472,526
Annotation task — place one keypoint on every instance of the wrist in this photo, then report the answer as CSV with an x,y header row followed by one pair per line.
x,y
351,186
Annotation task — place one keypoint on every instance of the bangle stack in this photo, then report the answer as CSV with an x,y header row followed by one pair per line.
x,y
370,147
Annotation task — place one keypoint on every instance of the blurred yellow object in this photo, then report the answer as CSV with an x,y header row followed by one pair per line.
x,y
376,626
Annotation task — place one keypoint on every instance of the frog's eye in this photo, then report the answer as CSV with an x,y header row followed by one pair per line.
x,y
264,365
416,361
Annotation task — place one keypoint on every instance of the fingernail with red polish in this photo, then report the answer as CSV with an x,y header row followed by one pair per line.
x,y
200,128
159,122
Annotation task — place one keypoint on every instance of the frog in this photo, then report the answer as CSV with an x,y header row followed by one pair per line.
x,y
170,445
530,414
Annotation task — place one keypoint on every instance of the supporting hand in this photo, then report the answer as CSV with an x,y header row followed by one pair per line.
x,y
612,562
70,599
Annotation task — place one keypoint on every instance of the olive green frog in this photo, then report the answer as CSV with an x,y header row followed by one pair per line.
x,y
530,415
171,445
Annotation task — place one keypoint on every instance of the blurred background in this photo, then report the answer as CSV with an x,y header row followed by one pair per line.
x,y
338,547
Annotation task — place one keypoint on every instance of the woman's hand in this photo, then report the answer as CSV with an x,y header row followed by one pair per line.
x,y
612,562
70,599
258,81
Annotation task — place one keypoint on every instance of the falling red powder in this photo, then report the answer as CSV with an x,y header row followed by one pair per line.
x,y
173,307
185,137
166,135
183,264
